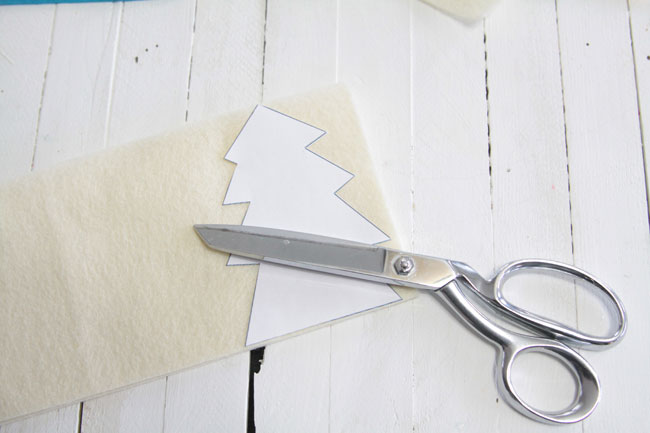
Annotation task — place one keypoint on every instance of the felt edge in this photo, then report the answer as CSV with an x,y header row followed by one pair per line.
x,y
339,92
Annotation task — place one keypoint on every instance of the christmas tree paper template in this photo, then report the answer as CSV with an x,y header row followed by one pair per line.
x,y
290,187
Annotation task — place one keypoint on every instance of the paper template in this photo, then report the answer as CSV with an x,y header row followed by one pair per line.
x,y
291,188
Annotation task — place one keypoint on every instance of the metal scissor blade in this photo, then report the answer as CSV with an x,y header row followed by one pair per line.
x,y
291,247
324,254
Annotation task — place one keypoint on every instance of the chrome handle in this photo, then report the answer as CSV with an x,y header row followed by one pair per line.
x,y
511,344
559,331
588,394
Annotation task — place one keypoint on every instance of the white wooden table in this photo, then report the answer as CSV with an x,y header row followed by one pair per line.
x,y
519,136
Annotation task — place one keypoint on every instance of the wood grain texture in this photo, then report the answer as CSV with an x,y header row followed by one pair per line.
x,y
227,56
450,140
374,57
64,420
137,409
608,195
75,103
301,47
292,390
151,69
25,35
371,372
640,32
208,398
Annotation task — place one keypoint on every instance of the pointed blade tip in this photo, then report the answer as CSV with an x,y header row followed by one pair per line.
x,y
199,228
210,233
202,231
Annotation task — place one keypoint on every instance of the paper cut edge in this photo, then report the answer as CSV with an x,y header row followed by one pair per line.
x,y
351,175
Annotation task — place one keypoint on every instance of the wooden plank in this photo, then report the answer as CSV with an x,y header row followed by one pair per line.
x,y
209,398
76,97
136,409
527,134
25,35
531,206
371,356
64,420
301,47
640,29
451,161
371,375
608,195
151,69
452,215
374,60
292,389
227,57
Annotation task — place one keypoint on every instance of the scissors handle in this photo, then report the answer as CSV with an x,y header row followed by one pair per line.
x,y
492,292
511,345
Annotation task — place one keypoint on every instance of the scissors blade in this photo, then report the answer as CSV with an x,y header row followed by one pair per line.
x,y
324,254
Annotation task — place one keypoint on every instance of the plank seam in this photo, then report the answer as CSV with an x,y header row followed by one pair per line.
x,y
412,181
111,84
568,169
489,139
566,140
411,129
336,42
164,410
413,378
40,105
266,13
189,75
329,388
638,106
80,417
255,366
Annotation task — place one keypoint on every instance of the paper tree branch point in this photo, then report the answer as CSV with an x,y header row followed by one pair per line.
x,y
289,187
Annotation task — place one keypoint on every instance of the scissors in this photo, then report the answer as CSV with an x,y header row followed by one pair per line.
x,y
446,278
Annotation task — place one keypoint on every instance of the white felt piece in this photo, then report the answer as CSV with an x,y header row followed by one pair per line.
x,y
291,188
102,278
466,10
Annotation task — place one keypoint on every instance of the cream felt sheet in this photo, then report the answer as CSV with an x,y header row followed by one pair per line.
x,y
103,282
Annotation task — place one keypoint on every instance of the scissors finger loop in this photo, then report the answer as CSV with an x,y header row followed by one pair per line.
x,y
588,394
550,327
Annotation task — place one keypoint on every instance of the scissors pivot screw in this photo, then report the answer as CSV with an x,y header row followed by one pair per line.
x,y
404,265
